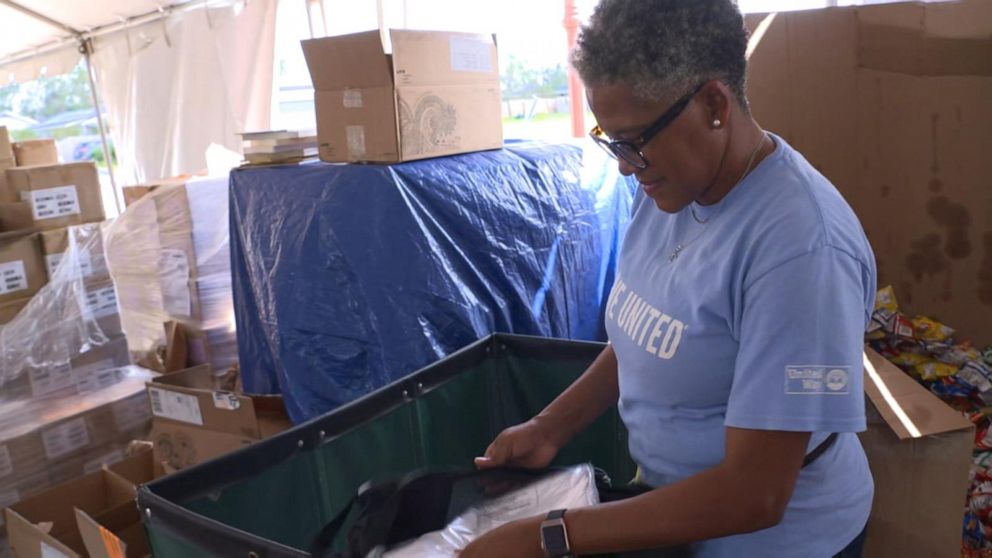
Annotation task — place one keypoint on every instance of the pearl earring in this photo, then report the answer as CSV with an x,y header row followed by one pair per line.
x,y
716,123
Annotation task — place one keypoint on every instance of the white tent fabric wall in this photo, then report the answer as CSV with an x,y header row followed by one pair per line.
x,y
172,89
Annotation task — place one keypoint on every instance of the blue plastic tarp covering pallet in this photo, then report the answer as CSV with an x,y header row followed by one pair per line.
x,y
347,277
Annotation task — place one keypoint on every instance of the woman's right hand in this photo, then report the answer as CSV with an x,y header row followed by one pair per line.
x,y
528,445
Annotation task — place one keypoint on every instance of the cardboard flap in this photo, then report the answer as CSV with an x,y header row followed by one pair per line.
x,y
435,57
29,541
909,409
347,61
137,469
101,542
197,377
911,51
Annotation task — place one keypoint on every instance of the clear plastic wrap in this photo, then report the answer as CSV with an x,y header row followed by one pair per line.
x,y
170,260
85,303
574,487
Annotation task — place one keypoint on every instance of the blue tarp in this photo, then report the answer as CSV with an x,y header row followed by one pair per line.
x,y
348,277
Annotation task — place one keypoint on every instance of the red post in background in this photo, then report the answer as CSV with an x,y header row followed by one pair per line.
x,y
575,90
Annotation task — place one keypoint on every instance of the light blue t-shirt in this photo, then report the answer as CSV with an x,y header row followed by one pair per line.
x,y
756,322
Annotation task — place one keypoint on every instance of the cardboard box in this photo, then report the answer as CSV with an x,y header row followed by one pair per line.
x,y
194,422
86,372
9,310
39,433
36,152
22,268
437,94
94,516
58,196
891,104
88,242
920,452
6,153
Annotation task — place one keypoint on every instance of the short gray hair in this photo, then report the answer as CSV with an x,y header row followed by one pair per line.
x,y
663,48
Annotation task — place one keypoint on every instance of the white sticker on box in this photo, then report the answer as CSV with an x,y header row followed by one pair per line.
x,y
174,278
227,401
8,498
48,551
175,406
96,376
52,262
356,142
52,203
107,459
352,98
65,438
50,380
6,465
131,413
470,55
102,302
13,278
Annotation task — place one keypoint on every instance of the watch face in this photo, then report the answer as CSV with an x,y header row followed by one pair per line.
x,y
554,538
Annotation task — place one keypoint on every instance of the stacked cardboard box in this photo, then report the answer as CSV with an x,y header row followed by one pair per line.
x,y
35,152
188,279
70,399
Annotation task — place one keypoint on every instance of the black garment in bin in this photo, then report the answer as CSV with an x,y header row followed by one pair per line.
x,y
271,498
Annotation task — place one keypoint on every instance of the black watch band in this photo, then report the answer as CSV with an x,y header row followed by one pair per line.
x,y
554,536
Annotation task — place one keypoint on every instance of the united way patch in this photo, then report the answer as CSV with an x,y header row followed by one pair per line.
x,y
815,379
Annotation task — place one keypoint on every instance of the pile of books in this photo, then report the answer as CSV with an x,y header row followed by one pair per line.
x,y
275,147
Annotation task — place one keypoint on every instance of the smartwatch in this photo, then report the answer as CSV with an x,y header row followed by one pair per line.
x,y
554,536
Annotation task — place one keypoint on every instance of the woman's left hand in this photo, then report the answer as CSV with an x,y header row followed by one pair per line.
x,y
520,539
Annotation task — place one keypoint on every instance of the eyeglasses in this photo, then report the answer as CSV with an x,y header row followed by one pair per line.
x,y
630,150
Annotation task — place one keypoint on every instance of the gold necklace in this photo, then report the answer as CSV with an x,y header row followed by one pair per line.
x,y
682,246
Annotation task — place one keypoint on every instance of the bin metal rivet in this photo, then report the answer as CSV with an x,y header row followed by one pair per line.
x,y
299,444
323,434
252,554
148,512
420,386
406,394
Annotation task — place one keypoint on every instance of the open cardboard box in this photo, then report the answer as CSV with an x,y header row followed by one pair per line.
x,y
95,515
436,93
194,421
891,103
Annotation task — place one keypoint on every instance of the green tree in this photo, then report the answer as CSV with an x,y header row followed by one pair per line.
x,y
48,95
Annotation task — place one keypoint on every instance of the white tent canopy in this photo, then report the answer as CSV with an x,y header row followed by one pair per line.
x,y
174,77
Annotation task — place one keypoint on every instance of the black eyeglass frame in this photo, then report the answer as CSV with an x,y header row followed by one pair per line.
x,y
633,147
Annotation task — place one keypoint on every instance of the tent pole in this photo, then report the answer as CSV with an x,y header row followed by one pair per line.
x,y
86,47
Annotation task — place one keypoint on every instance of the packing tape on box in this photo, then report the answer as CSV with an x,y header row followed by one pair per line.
x,y
356,141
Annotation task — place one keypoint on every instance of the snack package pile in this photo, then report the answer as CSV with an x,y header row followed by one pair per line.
x,y
961,375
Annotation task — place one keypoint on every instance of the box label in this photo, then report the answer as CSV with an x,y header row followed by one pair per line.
x,y
356,141
52,203
8,498
52,262
470,55
102,302
174,278
106,459
48,551
227,401
816,379
131,413
13,278
352,98
65,438
96,376
6,466
45,381
175,406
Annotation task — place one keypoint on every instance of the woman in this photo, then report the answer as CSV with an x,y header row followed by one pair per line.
x,y
744,286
